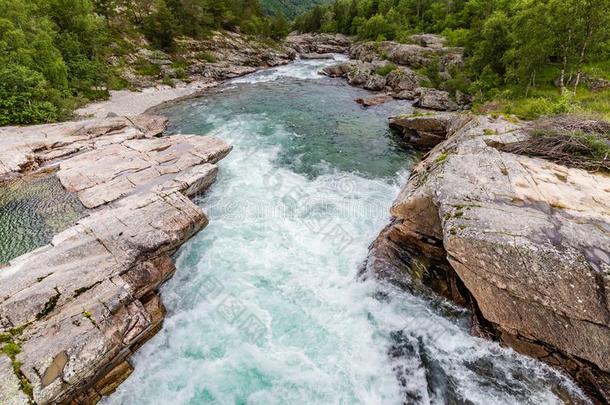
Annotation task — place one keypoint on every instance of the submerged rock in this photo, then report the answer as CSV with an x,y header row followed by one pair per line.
x,y
527,238
372,101
78,307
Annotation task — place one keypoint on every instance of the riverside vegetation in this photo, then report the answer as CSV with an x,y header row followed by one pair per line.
x,y
528,58
534,283
54,54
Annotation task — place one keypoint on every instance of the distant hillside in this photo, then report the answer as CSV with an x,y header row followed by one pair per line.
x,y
291,8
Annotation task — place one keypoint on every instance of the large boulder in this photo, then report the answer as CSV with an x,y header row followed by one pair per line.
x,y
527,238
403,79
318,43
426,131
429,40
439,100
375,82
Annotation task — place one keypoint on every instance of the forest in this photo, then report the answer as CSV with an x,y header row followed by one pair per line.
x,y
53,53
533,57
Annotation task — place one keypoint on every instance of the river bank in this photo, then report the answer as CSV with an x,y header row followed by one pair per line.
x,y
313,178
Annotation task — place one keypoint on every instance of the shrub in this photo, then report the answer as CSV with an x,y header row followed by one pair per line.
x,y
144,68
24,97
386,69
536,107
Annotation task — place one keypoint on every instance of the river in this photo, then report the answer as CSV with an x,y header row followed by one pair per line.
x,y
266,306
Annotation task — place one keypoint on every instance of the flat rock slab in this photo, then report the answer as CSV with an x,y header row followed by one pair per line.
x,y
24,149
85,301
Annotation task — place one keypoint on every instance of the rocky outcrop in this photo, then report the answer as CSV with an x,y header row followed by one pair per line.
x,y
24,149
375,76
72,312
424,50
318,43
523,241
388,66
439,100
228,55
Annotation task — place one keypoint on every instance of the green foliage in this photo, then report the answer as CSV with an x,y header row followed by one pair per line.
x,y
386,69
535,107
160,26
54,53
24,96
145,68
290,8
510,45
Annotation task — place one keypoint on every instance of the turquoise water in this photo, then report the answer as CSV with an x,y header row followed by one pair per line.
x,y
32,210
266,308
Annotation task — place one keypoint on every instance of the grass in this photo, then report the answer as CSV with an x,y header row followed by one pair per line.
x,y
145,68
11,348
573,141
441,157
386,69
206,56
548,102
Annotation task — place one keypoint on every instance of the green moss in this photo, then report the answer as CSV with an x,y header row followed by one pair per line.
x,y
90,317
489,131
82,290
441,157
11,349
49,306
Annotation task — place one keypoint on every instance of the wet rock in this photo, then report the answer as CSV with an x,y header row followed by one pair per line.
x,y
88,299
527,238
372,101
427,131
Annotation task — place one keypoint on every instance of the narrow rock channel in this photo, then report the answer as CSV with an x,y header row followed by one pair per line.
x,y
266,305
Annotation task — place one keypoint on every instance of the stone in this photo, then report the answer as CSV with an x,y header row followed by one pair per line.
x,y
90,297
25,149
315,55
527,238
436,100
403,80
429,40
372,101
426,131
318,43
406,95
375,82
10,389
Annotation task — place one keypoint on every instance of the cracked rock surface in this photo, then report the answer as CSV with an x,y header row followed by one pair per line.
x,y
79,306
528,238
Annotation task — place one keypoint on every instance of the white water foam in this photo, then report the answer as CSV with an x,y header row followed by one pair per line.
x,y
300,69
265,307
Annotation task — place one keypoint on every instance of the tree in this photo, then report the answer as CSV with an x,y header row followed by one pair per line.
x,y
160,26
279,26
